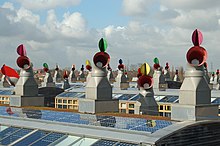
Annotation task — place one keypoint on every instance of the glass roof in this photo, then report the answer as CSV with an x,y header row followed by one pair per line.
x,y
77,85
122,96
72,94
131,97
72,85
59,85
136,97
215,100
68,140
158,97
169,98
18,136
82,95
136,124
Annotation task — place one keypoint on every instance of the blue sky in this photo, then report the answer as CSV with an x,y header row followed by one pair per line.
x,y
98,13
101,13
67,32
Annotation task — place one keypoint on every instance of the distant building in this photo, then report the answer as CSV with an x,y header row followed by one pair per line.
x,y
128,101
5,95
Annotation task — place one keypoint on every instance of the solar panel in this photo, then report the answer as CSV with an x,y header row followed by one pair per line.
x,y
163,99
32,138
72,94
125,144
169,98
103,142
126,96
8,132
106,121
172,99
14,136
44,138
30,113
92,120
6,92
48,139
76,85
137,124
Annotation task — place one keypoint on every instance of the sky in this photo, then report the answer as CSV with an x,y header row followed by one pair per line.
x,y
67,32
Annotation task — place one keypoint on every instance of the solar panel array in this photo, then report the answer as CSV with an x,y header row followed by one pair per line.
x,y
17,136
11,134
119,96
136,124
72,85
6,92
103,142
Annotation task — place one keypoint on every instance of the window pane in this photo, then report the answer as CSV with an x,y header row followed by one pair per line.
x,y
123,105
70,107
74,101
131,105
131,111
70,101
59,100
123,110
168,108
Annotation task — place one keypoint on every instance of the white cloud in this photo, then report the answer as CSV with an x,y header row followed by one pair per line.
x,y
47,4
190,4
8,6
73,25
166,14
163,8
43,40
136,7
26,15
51,18
165,34
203,19
108,30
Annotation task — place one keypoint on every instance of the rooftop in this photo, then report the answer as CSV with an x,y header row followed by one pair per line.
x,y
20,126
